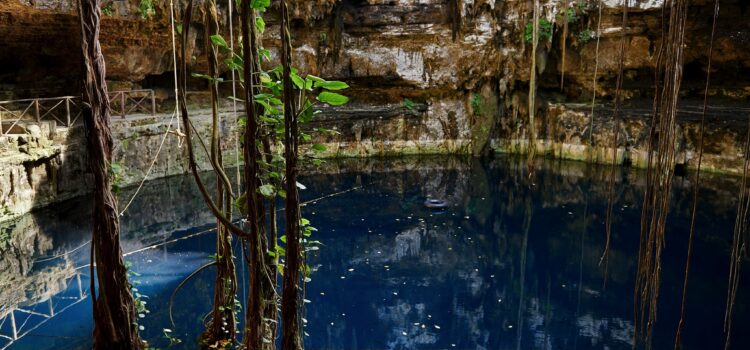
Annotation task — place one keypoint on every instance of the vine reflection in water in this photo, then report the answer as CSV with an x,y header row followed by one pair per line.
x,y
393,274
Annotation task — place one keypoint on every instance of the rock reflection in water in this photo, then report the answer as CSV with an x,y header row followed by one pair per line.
x,y
506,266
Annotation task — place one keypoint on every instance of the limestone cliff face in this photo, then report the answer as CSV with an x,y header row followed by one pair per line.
x,y
463,64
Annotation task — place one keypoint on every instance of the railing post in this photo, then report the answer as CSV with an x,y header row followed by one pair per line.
x,y
67,111
51,307
38,119
153,103
80,286
13,324
122,103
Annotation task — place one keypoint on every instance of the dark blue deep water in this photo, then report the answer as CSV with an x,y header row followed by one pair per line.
x,y
506,266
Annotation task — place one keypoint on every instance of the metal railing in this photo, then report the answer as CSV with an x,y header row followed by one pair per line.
x,y
67,110
126,102
18,321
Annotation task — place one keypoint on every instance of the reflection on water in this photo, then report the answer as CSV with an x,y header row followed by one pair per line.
x,y
506,266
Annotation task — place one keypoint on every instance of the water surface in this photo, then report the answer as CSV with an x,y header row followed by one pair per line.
x,y
506,266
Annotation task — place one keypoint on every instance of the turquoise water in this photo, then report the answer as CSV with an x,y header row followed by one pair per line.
x,y
506,266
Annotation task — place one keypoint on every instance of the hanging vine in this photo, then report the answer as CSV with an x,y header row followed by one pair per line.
x,y
696,186
221,329
594,81
564,42
291,339
532,91
616,131
660,171
739,244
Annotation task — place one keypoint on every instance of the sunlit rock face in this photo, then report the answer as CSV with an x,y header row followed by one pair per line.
x,y
426,76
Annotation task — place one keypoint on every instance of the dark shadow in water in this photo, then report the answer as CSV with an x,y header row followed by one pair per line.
x,y
392,274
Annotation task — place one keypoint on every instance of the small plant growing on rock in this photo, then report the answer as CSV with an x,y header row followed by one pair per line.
x,y
476,103
585,35
545,30
108,10
408,104
116,173
146,9
571,15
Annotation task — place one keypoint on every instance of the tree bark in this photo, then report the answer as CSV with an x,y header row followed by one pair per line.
x,y
259,284
221,330
113,306
290,297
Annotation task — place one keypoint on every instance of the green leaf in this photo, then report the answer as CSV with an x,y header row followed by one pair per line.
x,y
332,85
260,24
298,81
267,190
315,78
260,4
319,147
332,98
268,107
265,54
219,41
202,76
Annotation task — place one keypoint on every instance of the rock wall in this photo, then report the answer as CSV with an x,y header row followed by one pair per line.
x,y
426,76
46,167
464,63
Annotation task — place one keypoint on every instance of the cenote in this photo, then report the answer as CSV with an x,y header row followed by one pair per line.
x,y
378,175
505,266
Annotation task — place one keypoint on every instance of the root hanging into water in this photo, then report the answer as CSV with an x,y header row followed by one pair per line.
x,y
593,83
532,92
616,130
221,325
291,331
696,188
660,170
739,245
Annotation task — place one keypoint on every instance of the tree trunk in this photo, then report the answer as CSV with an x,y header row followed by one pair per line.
x,y
221,330
259,284
115,324
290,298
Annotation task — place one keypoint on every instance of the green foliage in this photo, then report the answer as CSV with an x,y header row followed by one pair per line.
x,y
138,299
476,103
332,98
116,176
260,5
108,10
146,9
571,15
585,35
260,24
408,104
545,30
172,339
310,93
